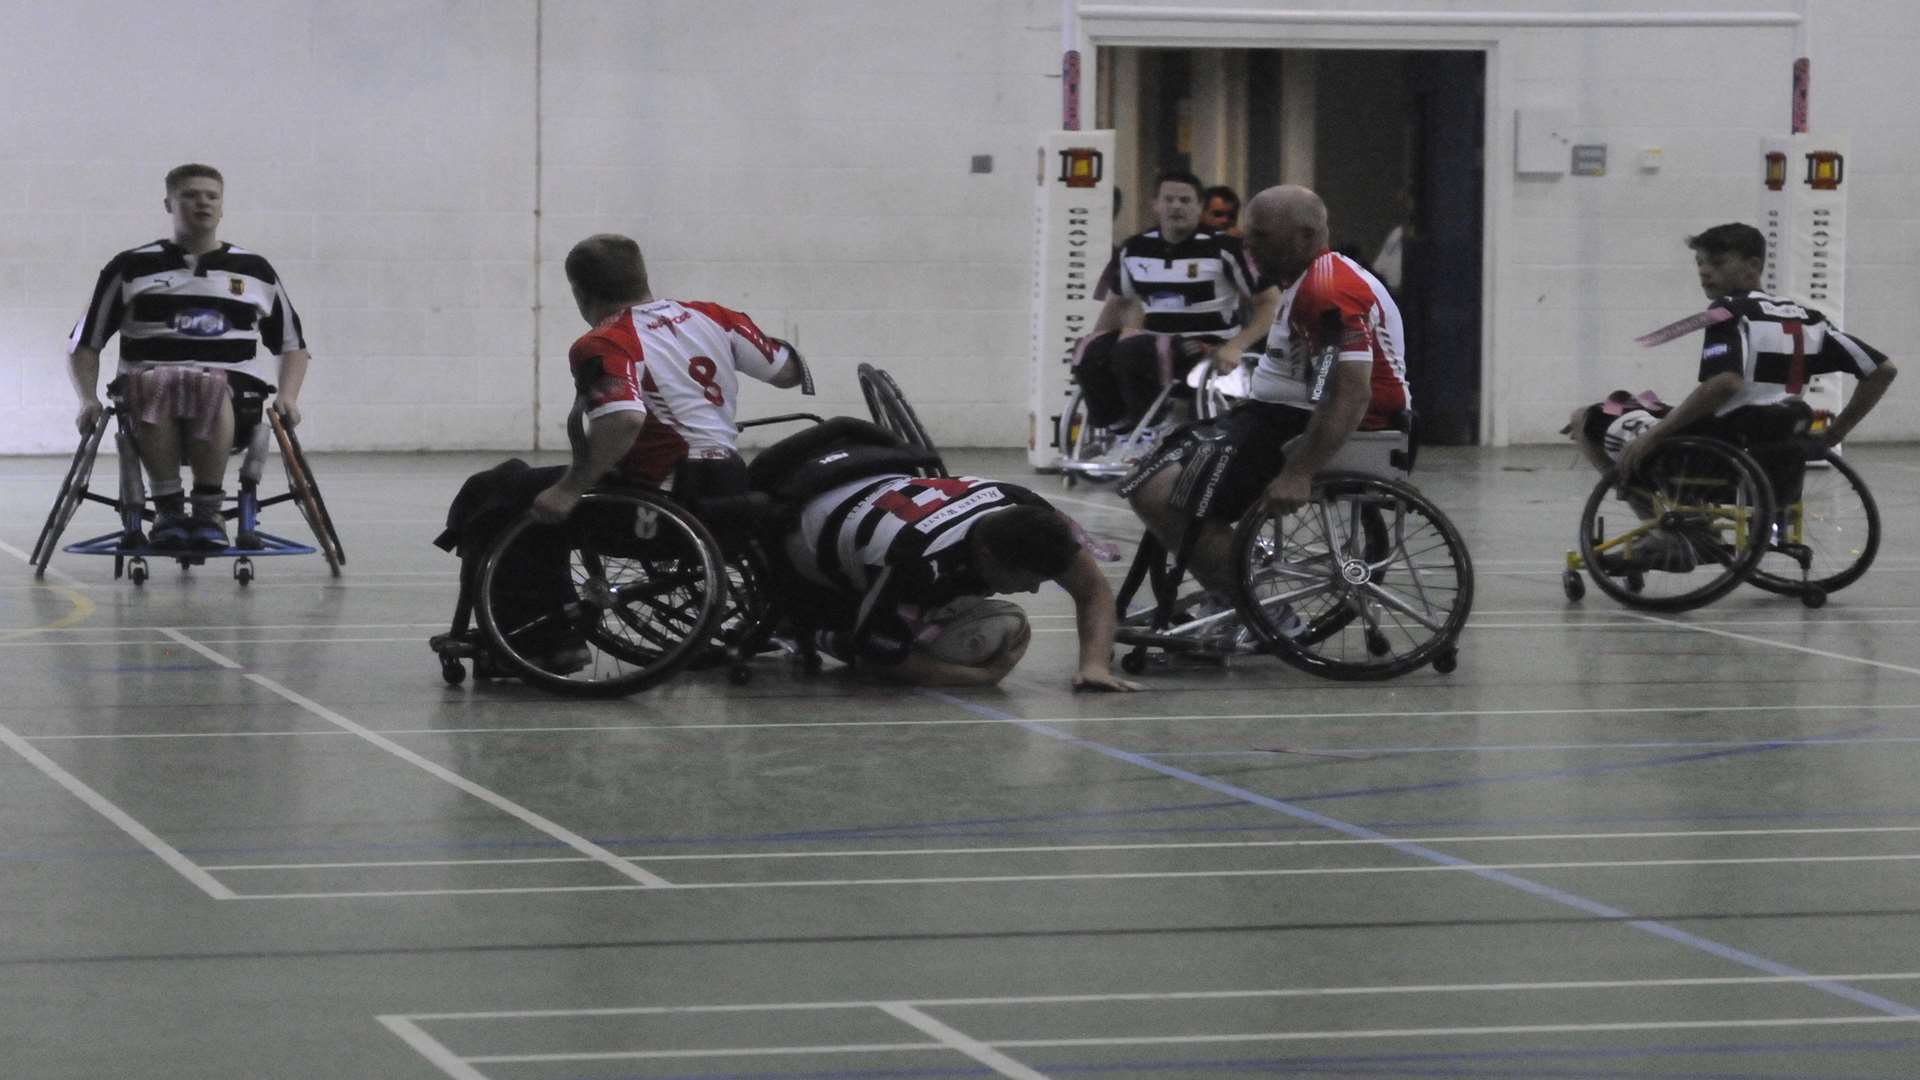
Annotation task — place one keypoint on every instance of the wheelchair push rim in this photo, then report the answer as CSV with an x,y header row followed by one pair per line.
x,y
1368,580
73,491
1835,523
1707,494
640,608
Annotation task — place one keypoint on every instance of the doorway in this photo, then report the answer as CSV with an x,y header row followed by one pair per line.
x,y
1393,140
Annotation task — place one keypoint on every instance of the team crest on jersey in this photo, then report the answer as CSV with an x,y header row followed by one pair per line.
x,y
236,286
1193,270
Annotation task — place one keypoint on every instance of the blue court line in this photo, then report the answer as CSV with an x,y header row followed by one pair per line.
x,y
1427,854
1541,774
1429,1064
1835,740
1428,1058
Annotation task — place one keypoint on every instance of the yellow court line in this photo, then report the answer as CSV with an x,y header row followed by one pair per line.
x,y
83,609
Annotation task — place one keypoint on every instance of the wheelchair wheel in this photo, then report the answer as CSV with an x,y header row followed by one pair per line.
x,y
1082,443
625,593
306,494
890,410
1686,530
751,612
73,492
1834,526
1369,580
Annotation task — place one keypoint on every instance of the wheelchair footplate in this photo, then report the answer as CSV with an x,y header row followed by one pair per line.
x,y
131,560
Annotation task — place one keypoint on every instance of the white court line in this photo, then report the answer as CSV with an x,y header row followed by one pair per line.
x,y
1136,875
1336,1035
499,802
744,1051
431,1048
975,721
1700,629
100,805
1176,995
961,1041
52,572
1043,849
218,658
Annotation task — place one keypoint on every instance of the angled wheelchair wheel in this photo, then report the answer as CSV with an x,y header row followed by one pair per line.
x,y
890,410
73,492
1083,445
306,494
1824,540
1367,581
625,593
1682,533
750,613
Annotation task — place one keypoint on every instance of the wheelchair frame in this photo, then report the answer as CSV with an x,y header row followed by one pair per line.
x,y
1757,530
134,509
740,615
1340,578
1086,456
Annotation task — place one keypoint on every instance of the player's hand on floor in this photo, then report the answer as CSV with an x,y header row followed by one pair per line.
x,y
1103,681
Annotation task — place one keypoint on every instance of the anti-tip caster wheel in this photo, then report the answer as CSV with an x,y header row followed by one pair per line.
x,y
1447,661
1636,582
137,570
1377,643
1813,596
243,571
1135,662
1574,585
453,671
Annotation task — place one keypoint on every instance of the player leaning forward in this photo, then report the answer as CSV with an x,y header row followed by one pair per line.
x,y
192,313
1335,363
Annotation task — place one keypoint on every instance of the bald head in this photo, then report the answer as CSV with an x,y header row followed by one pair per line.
x,y
1286,230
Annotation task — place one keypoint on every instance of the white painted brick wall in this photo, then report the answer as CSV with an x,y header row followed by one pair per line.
x,y
806,161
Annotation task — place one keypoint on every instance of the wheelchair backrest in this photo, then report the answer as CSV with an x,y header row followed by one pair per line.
x,y
1385,454
809,462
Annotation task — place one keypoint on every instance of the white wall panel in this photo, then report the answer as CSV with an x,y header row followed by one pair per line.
x,y
807,161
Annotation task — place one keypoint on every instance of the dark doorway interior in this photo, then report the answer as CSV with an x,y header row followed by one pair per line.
x,y
1393,140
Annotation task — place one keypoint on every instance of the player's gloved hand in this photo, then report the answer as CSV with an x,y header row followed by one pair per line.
x,y
1633,455
552,506
1288,492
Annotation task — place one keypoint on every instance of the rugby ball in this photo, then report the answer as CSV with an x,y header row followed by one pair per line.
x,y
971,630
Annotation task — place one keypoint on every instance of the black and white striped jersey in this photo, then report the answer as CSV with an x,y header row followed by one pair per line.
x,y
1775,344
170,307
905,533
1196,286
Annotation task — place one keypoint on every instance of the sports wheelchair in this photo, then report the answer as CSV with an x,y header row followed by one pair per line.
x,y
638,585
126,544
1098,455
1702,515
1368,580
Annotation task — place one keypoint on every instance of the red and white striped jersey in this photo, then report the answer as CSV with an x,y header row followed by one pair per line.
x,y
679,364
1336,303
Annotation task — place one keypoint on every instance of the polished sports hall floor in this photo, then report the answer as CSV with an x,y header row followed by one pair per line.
x,y
249,833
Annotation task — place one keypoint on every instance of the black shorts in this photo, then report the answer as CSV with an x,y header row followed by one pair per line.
x,y
1226,462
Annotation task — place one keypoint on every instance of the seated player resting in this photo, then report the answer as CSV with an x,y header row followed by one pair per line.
x,y
881,561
